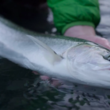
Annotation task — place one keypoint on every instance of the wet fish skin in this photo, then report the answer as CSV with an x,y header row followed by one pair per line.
x,y
72,59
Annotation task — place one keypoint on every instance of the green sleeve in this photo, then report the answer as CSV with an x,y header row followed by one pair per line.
x,y
68,13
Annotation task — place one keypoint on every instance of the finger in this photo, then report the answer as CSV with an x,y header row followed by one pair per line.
x,y
103,42
44,77
36,73
56,83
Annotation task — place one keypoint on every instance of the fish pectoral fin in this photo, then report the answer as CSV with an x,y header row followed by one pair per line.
x,y
46,51
53,58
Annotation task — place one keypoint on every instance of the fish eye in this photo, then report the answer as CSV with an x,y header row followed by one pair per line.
x,y
107,57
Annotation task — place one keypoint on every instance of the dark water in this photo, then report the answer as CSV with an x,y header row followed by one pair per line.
x,y
20,89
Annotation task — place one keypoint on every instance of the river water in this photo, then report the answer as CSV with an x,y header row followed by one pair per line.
x,y
20,89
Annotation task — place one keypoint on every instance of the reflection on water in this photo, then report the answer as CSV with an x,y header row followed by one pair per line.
x,y
22,90
104,26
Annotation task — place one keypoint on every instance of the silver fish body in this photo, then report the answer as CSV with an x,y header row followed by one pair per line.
x,y
72,59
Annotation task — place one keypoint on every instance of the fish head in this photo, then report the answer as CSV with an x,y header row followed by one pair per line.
x,y
89,64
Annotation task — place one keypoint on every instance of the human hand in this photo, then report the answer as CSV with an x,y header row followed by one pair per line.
x,y
87,33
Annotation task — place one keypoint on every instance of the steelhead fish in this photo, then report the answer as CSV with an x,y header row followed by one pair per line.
x,y
72,59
